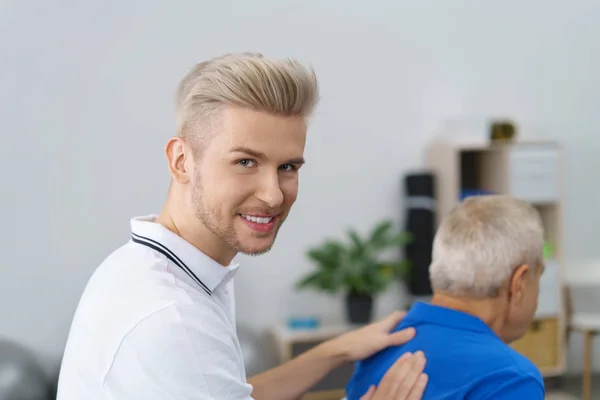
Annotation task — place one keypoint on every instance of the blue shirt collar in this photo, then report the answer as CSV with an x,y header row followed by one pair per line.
x,y
422,312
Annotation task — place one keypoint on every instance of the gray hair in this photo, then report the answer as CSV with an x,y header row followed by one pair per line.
x,y
249,80
481,241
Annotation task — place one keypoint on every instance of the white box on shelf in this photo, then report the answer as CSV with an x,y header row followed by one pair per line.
x,y
533,173
549,298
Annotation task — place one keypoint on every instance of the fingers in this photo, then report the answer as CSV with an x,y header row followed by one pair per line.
x,y
412,376
419,388
402,336
402,377
369,394
392,320
396,374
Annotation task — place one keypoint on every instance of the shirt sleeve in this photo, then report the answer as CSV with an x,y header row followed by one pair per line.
x,y
172,356
511,386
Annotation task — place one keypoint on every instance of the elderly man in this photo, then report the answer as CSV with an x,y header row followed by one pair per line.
x,y
485,274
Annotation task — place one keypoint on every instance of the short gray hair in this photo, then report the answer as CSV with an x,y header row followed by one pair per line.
x,y
481,241
249,80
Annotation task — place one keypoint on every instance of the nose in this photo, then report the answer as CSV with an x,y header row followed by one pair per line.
x,y
269,191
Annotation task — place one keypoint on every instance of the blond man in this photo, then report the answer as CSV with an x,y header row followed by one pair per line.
x,y
157,319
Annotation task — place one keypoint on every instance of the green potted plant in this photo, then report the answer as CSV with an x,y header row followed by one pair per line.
x,y
357,268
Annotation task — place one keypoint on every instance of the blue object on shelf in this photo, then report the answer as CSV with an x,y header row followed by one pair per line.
x,y
303,322
473,192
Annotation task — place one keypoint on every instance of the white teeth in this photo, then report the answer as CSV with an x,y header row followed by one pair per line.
x,y
258,220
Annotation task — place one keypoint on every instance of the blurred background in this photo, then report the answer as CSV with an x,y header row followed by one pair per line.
x,y
412,91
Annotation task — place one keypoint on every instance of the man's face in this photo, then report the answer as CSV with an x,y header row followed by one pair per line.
x,y
245,180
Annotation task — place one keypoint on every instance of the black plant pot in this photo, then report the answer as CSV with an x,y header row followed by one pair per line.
x,y
359,308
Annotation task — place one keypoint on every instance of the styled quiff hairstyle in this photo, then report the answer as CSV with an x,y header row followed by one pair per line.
x,y
249,80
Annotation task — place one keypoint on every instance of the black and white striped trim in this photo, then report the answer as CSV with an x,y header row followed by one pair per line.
x,y
154,245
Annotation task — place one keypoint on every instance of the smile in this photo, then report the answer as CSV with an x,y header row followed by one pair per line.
x,y
263,224
258,220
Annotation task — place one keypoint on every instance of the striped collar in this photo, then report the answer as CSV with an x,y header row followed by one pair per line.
x,y
203,270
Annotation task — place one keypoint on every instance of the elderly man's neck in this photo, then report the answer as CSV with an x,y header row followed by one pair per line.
x,y
489,310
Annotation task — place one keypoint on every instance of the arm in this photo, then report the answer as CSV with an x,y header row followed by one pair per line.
x,y
292,379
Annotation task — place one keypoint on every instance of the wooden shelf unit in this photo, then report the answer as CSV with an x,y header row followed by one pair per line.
x,y
290,343
531,171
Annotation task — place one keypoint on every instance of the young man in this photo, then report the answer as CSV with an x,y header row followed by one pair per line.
x,y
485,273
157,320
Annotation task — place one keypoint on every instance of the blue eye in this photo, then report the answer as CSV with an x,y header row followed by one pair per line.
x,y
246,163
288,167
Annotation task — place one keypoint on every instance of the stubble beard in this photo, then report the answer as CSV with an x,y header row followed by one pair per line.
x,y
222,228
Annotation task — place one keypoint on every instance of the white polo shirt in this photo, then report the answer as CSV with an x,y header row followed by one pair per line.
x,y
156,322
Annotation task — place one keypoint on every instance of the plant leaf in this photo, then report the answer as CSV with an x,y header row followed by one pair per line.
x,y
380,230
356,266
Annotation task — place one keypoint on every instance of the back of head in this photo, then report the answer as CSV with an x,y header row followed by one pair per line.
x,y
278,86
481,242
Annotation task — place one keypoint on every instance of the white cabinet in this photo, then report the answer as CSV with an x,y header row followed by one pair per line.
x,y
548,301
533,173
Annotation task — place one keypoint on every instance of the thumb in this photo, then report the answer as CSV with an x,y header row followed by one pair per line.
x,y
392,320
369,394
402,336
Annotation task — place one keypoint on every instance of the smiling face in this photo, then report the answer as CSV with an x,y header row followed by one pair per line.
x,y
244,182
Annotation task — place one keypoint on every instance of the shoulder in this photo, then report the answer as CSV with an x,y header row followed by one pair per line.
x,y
524,366
516,374
181,326
137,281
176,350
522,381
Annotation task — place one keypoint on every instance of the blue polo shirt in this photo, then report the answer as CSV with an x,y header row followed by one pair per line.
x,y
465,360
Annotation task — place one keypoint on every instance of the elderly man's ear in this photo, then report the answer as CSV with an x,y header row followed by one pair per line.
x,y
518,282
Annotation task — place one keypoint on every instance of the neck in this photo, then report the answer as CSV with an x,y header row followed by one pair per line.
x,y
490,311
194,232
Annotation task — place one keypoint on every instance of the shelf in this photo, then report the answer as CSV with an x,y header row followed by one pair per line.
x,y
531,171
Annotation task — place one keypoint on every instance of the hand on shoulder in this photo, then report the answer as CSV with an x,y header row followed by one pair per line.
x,y
366,341
404,380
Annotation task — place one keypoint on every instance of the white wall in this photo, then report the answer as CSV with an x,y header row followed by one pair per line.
x,y
85,109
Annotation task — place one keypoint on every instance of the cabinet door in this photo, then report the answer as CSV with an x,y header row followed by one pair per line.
x,y
540,343
550,297
533,173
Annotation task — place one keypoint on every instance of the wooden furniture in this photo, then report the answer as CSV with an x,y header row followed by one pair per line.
x,y
530,171
290,343
582,286
589,326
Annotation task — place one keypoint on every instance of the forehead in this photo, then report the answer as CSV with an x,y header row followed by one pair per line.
x,y
260,131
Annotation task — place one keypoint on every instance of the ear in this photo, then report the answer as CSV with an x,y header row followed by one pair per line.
x,y
177,152
517,282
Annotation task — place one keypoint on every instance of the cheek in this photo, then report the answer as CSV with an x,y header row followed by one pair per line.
x,y
289,188
221,188
531,302
230,195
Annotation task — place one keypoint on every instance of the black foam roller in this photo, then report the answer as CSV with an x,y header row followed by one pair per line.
x,y
420,222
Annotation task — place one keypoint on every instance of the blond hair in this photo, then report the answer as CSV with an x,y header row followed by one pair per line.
x,y
249,80
480,243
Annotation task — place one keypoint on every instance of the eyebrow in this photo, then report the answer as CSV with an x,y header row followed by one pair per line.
x,y
259,155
